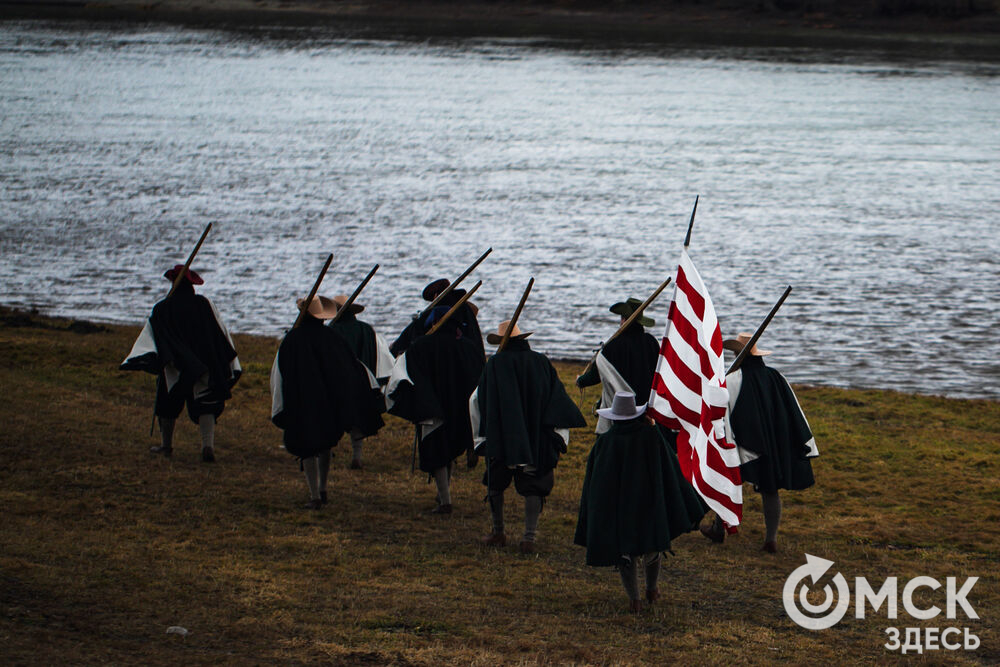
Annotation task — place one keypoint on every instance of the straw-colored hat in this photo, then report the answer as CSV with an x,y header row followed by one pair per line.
x,y
622,407
737,344
515,334
321,308
341,299
629,306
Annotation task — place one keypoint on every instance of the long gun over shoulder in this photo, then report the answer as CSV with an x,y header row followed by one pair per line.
x,y
453,285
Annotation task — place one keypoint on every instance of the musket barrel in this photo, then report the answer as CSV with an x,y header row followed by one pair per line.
x,y
453,309
183,272
453,285
315,288
517,314
354,295
628,322
753,339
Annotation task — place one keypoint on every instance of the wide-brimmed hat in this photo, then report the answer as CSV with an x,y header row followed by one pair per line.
x,y
321,308
623,407
515,334
629,306
341,299
433,289
189,275
737,344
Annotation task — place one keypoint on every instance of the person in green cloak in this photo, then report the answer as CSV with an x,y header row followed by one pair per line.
x,y
319,391
370,348
771,433
626,363
186,345
635,499
521,416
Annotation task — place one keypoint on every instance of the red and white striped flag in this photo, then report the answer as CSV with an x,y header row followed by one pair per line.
x,y
689,395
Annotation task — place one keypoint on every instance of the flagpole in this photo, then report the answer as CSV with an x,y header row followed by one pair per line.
x,y
753,339
687,239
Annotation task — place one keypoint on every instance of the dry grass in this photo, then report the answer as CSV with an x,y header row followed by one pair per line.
x,y
104,547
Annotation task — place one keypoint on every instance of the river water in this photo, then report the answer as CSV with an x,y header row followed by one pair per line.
x,y
867,181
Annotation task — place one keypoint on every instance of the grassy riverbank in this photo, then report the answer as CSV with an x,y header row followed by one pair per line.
x,y
104,546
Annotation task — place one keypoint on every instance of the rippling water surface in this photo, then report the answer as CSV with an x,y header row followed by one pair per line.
x,y
868,183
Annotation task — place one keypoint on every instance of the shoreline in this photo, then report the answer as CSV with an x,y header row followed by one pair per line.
x,y
712,23
13,317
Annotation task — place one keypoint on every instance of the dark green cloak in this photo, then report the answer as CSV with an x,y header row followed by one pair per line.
x,y
634,355
443,368
360,338
522,402
325,391
188,337
635,499
766,420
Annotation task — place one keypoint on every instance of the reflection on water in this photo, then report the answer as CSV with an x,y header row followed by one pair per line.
x,y
866,182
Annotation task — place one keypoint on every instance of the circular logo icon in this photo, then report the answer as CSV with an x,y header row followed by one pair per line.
x,y
811,616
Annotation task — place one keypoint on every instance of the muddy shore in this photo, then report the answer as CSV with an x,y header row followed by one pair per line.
x,y
837,25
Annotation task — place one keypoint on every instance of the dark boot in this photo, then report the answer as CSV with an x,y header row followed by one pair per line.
x,y
715,532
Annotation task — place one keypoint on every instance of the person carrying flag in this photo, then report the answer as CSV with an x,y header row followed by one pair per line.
x,y
635,499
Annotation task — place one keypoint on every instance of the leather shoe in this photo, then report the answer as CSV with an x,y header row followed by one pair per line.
x,y
715,532
313,505
770,547
635,606
527,547
442,509
166,451
652,595
208,455
494,540
356,464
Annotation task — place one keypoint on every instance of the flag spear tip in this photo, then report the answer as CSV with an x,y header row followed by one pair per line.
x,y
687,239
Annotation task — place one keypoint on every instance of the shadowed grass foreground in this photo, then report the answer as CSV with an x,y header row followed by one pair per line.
x,y
104,546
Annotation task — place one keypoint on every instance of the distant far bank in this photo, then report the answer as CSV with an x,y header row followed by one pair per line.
x,y
952,23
